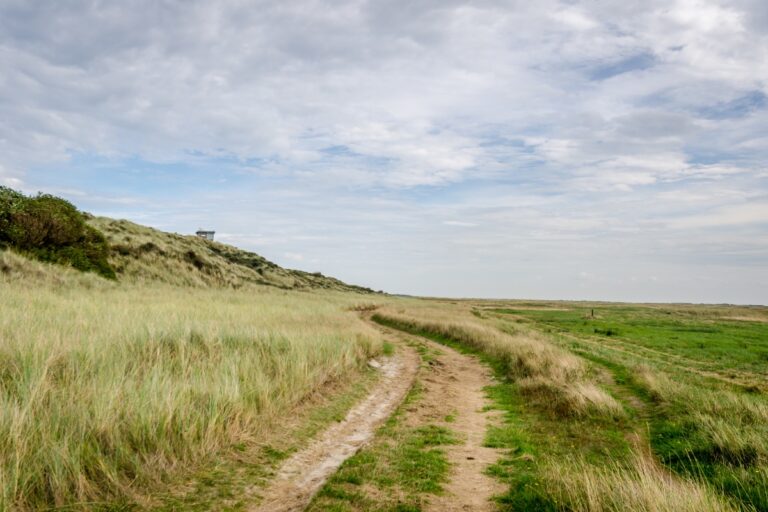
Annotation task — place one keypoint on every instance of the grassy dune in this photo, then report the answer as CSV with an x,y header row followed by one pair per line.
x,y
139,254
108,390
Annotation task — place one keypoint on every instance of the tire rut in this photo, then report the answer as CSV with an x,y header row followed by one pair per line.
x,y
453,387
302,475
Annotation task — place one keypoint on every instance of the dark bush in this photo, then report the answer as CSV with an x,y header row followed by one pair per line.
x,y
150,247
195,260
46,221
52,229
10,201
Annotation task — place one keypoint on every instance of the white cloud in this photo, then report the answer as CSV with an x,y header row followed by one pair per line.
x,y
459,223
574,18
9,179
294,256
727,216
554,129
11,182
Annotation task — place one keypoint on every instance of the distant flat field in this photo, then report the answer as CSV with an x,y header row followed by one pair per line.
x,y
720,338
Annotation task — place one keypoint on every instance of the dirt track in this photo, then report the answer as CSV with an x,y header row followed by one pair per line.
x,y
302,475
452,395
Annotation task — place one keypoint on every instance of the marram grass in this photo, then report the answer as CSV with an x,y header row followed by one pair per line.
x,y
107,390
639,487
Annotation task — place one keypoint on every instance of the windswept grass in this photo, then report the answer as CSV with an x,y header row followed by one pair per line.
x,y
109,391
639,487
544,372
713,433
142,254
697,371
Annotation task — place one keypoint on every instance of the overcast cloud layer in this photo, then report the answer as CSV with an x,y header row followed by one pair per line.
x,y
597,150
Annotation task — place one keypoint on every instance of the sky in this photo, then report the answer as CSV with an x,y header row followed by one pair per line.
x,y
501,149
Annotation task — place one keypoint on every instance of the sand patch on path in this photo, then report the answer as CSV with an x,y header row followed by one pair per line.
x,y
452,396
302,475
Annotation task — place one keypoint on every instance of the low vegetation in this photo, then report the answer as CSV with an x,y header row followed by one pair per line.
x,y
142,369
726,338
698,372
638,487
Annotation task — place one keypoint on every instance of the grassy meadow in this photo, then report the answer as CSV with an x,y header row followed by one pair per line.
x,y
109,391
701,373
614,406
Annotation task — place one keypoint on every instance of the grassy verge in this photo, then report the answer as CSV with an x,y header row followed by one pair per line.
x,y
700,425
396,473
544,372
231,481
717,435
555,461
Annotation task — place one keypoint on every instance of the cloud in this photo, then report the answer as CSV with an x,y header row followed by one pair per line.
x,y
7,178
551,128
629,64
743,105
11,182
459,223
293,256
756,213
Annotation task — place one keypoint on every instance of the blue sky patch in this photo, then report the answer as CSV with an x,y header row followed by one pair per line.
x,y
738,107
636,62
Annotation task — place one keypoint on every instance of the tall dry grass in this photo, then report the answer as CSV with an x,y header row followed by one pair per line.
x,y
717,431
106,390
143,254
641,486
543,371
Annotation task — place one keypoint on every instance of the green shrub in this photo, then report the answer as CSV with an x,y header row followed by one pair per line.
x,y
10,200
52,229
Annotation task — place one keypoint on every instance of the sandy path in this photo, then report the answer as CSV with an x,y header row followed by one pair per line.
x,y
302,475
452,386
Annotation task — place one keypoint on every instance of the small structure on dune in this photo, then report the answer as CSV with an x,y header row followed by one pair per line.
x,y
208,235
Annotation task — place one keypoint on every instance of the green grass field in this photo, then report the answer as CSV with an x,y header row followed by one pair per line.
x,y
699,375
715,338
